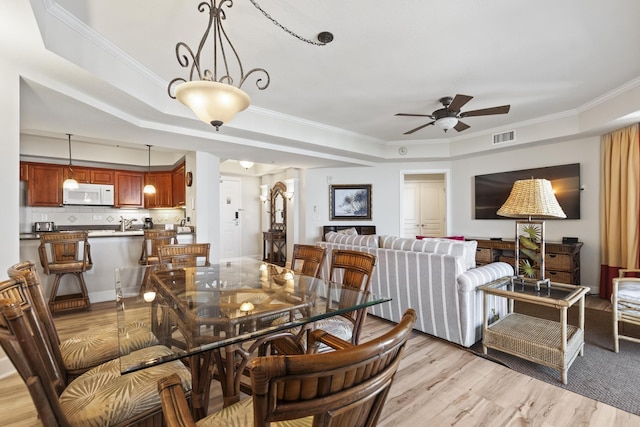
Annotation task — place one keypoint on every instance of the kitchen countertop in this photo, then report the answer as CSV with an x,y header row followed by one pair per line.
x,y
99,233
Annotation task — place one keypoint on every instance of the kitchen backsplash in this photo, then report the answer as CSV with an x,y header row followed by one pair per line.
x,y
96,216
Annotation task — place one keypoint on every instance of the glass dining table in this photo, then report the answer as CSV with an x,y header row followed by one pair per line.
x,y
218,316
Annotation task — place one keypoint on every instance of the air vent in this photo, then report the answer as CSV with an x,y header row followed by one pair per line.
x,y
501,138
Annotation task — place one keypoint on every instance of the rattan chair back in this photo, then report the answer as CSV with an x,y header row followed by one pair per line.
x,y
185,255
307,259
346,387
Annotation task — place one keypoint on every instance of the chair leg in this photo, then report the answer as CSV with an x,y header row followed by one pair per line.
x,y
70,301
616,338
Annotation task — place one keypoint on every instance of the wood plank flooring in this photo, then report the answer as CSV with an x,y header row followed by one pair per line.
x,y
438,384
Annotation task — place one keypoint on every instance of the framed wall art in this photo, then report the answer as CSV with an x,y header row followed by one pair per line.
x,y
350,201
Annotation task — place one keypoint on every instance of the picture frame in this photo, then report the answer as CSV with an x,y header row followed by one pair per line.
x,y
350,201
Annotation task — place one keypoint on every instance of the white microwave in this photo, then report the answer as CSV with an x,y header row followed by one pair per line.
x,y
89,194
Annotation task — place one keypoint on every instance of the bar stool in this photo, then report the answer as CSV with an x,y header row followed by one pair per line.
x,y
66,252
153,239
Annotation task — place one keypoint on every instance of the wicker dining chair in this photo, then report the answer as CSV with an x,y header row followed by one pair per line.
x,y
307,259
625,302
346,387
86,350
353,270
95,398
184,255
153,239
62,253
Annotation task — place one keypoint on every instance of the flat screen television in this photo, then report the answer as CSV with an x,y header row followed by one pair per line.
x,y
492,190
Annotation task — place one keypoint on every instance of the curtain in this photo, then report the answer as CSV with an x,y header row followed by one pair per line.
x,y
619,204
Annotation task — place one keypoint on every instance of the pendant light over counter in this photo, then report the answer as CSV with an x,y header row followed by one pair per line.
x,y
149,188
70,183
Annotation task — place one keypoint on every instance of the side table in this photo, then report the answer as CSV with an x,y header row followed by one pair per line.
x,y
551,343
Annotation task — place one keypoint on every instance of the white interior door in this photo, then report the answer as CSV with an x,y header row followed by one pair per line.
x,y
424,208
432,209
411,227
230,219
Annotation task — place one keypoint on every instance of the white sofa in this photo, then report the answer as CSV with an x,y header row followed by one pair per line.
x,y
436,277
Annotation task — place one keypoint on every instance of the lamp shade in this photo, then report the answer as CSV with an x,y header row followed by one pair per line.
x,y
212,102
532,198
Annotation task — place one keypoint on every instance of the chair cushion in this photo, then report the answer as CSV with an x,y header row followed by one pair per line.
x,y
630,292
241,414
93,348
103,397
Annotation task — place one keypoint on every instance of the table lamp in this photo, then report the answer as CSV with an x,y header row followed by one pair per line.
x,y
531,198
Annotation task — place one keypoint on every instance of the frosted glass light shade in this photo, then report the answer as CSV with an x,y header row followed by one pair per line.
x,y
149,189
212,102
70,184
446,123
246,164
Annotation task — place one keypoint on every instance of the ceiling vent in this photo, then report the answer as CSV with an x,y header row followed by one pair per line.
x,y
501,138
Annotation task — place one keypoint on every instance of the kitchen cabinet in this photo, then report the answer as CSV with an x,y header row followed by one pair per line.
x,y
101,176
163,196
24,171
45,185
178,186
91,175
128,189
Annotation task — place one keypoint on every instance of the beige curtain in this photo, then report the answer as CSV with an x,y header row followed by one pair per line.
x,y
619,204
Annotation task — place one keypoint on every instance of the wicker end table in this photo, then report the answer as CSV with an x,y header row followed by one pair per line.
x,y
551,343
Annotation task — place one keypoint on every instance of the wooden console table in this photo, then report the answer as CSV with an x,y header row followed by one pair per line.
x,y
274,248
561,260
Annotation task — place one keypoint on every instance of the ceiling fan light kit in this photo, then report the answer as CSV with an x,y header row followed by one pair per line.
x,y
446,123
449,116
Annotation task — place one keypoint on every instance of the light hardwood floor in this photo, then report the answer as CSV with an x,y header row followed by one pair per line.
x,y
438,384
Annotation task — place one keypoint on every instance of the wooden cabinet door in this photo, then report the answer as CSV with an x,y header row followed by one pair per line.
x,y
178,186
128,189
82,175
24,171
45,185
101,176
162,197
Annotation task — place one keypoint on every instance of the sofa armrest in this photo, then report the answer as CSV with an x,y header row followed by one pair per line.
x,y
472,278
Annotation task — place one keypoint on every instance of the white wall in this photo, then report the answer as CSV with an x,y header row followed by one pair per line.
x,y
386,191
387,183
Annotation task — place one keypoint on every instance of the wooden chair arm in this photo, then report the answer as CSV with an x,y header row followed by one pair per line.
x,y
283,342
318,336
175,406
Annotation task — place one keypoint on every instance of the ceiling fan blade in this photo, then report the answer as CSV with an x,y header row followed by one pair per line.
x,y
461,126
459,101
414,115
503,109
418,128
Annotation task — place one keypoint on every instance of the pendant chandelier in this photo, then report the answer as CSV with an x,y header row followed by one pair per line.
x,y
149,188
70,183
215,95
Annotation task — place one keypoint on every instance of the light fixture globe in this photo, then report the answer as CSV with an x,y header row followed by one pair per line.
x,y
70,184
446,123
213,102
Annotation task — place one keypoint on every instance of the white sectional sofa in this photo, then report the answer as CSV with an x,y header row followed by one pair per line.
x,y
436,277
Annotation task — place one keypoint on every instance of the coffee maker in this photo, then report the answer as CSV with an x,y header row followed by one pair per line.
x,y
148,224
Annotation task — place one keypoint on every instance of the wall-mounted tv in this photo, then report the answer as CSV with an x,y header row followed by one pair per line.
x,y
492,190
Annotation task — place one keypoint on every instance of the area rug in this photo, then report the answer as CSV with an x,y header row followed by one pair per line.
x,y
601,374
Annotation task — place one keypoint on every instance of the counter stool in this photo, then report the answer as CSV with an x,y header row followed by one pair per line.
x,y
153,239
66,252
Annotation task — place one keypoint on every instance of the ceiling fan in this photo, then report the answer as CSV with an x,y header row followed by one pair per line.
x,y
449,117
